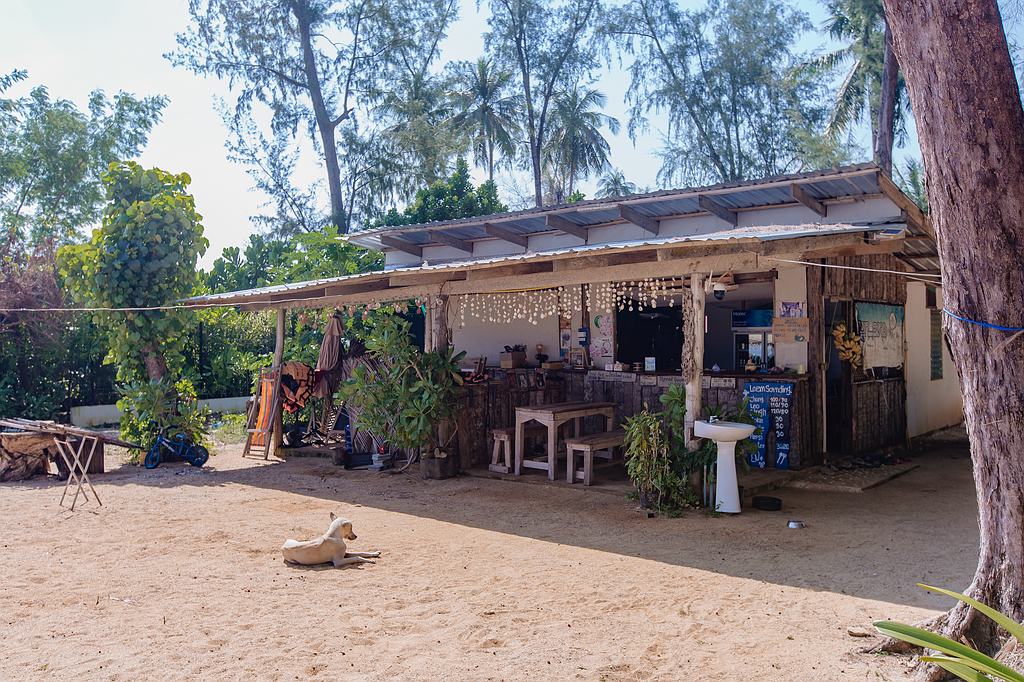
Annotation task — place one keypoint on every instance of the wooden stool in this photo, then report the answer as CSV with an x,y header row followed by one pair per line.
x,y
502,441
601,444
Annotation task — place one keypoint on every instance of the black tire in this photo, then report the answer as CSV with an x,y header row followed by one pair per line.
x,y
152,460
197,455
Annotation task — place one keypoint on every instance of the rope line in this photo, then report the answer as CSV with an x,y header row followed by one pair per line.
x,y
982,323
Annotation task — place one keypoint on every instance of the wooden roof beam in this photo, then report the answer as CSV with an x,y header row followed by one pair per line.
x,y
804,197
506,235
451,240
560,222
915,216
402,245
637,218
717,209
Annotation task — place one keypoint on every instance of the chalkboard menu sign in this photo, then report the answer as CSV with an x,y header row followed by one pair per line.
x,y
770,404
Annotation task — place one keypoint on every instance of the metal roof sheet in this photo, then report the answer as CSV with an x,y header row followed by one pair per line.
x,y
739,235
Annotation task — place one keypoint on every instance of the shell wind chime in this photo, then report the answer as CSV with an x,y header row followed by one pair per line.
x,y
536,305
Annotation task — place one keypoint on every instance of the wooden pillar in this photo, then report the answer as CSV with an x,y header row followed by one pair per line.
x,y
278,432
817,336
438,338
693,351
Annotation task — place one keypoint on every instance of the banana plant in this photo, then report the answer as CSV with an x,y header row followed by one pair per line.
x,y
953,657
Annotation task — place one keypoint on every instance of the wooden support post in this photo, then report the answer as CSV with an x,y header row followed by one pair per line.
x,y
278,432
439,338
693,358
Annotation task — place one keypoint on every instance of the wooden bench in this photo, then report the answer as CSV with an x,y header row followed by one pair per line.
x,y
504,444
600,444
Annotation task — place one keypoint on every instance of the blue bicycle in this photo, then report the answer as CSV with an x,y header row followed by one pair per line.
x,y
178,445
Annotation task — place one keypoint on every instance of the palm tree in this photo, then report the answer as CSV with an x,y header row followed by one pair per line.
x,y
488,112
871,86
576,147
614,184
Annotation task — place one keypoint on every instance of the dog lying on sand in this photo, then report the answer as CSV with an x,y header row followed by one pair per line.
x,y
328,548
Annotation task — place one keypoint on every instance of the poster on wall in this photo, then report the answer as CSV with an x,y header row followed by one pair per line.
x,y
791,309
881,331
602,336
770,404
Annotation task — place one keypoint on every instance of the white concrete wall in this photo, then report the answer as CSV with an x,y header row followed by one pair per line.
x,y
99,415
481,338
790,286
931,405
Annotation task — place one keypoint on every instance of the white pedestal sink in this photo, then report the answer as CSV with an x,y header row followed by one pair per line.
x,y
725,435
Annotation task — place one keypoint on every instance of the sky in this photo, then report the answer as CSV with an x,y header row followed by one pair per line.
x,y
74,47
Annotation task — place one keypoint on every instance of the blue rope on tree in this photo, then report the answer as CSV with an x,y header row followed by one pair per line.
x,y
980,323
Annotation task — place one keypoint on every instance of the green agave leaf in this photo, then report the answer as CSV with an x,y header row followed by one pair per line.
x,y
1007,623
930,640
958,668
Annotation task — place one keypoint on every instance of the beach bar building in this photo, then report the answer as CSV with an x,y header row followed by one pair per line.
x,y
814,295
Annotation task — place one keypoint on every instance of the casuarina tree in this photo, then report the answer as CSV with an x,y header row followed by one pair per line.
x,y
970,123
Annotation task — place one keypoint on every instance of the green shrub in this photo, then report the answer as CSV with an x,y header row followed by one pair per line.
x,y
148,408
402,394
232,428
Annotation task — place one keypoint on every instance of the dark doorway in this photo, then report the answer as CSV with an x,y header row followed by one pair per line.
x,y
838,383
651,332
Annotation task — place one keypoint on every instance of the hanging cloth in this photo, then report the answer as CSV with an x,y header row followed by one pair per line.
x,y
296,385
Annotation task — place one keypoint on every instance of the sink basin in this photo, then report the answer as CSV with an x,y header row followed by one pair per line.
x,y
726,435
722,431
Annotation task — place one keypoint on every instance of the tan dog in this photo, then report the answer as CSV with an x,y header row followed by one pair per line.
x,y
328,548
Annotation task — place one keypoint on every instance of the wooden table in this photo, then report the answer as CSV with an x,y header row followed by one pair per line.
x,y
552,417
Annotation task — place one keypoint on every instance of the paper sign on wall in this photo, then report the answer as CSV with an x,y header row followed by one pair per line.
x,y
881,331
602,336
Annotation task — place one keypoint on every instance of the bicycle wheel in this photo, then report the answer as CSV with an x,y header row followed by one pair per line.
x,y
197,455
152,457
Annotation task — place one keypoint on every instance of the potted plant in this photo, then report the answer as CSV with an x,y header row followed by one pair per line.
x,y
404,397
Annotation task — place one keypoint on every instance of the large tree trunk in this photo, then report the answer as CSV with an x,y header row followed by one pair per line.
x,y
971,127
324,123
887,106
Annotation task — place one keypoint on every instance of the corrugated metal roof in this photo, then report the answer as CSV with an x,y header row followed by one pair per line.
x,y
837,183
739,235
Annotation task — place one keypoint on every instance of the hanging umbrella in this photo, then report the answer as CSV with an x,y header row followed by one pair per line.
x,y
330,359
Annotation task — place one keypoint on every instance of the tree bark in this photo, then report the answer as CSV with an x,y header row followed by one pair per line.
x,y
887,106
154,362
324,123
970,123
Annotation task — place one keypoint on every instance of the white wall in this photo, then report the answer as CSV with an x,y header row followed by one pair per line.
x,y
790,286
100,415
481,338
931,404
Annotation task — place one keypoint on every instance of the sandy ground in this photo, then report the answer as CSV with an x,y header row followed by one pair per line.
x,y
178,576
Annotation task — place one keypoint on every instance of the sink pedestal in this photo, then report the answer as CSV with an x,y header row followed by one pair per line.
x,y
725,435
727,489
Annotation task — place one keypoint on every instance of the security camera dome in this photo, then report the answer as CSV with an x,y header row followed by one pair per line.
x,y
719,291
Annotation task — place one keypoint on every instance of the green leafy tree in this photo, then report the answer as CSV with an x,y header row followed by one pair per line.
x,y
866,90
144,255
727,78
52,155
317,65
551,48
455,197
489,111
577,148
614,184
